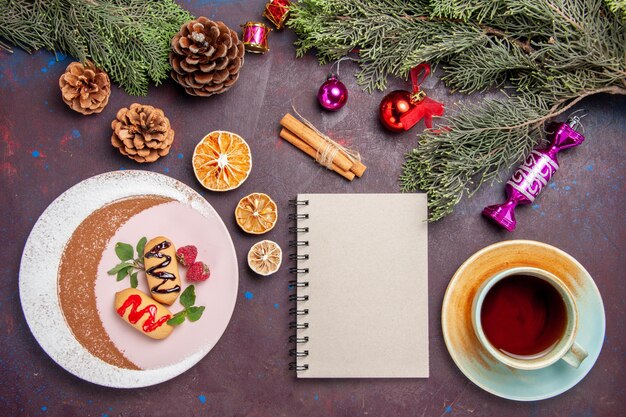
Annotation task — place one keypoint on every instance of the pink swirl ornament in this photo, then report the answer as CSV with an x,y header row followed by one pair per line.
x,y
534,174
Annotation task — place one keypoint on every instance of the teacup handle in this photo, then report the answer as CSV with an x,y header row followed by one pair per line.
x,y
575,355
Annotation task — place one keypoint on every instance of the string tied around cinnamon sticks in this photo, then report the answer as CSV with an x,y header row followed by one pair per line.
x,y
305,136
326,155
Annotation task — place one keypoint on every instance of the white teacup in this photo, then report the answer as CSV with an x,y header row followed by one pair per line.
x,y
565,348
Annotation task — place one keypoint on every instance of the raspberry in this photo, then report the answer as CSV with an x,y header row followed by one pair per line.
x,y
187,255
198,271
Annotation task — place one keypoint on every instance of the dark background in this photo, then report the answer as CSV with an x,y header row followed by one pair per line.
x,y
46,148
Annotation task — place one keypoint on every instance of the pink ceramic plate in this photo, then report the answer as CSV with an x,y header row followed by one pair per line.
x,y
182,215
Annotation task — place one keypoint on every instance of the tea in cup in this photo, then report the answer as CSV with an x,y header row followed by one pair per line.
x,y
527,319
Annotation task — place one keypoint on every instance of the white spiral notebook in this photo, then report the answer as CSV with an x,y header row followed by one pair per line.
x,y
360,286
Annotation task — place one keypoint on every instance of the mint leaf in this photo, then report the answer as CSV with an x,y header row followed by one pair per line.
x,y
121,274
188,297
194,313
117,268
140,246
124,251
178,318
133,280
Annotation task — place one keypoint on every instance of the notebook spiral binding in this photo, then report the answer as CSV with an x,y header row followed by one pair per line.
x,y
298,313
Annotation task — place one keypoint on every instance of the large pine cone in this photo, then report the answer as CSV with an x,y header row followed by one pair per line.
x,y
85,88
142,133
206,57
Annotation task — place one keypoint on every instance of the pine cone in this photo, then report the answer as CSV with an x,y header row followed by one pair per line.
x,y
142,133
85,88
206,57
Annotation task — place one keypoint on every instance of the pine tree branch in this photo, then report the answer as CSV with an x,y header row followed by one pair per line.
x,y
552,53
556,109
565,17
128,39
523,45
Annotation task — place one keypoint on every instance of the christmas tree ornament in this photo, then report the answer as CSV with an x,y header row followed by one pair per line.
x,y
333,94
534,174
401,110
206,57
277,12
85,88
142,133
255,37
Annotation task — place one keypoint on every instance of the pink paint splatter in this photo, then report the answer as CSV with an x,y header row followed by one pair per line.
x,y
66,139
7,170
10,146
278,144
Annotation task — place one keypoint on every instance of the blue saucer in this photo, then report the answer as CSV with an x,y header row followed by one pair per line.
x,y
482,368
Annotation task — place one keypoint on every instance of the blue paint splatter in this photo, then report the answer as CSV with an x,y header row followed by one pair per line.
x,y
574,182
543,213
448,409
44,408
110,408
316,397
46,166
166,170
122,169
249,295
36,154
552,185
536,206
589,167
180,156
567,188
75,133
276,305
44,69
105,415
202,399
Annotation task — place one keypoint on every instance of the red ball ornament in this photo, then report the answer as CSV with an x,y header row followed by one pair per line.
x,y
393,106
401,110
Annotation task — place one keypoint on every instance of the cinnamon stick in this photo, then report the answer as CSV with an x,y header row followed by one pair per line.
x,y
306,148
303,132
358,168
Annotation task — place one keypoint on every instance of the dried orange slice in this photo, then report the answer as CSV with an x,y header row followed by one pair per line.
x,y
256,213
222,161
265,257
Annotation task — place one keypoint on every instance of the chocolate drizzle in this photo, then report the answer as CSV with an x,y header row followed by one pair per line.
x,y
164,276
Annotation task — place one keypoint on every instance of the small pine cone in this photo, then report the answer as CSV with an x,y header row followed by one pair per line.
x,y
142,133
85,88
206,57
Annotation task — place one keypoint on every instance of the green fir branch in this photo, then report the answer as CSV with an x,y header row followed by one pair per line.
x,y
453,163
548,53
128,39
